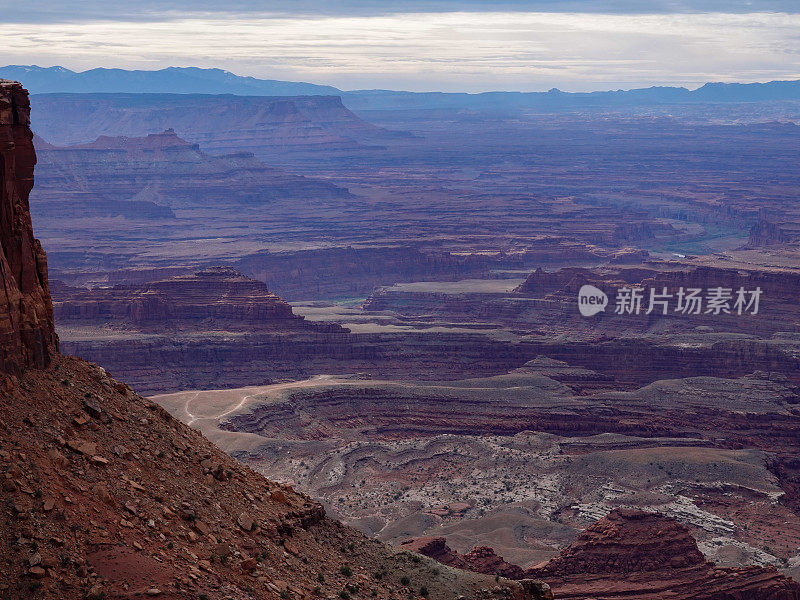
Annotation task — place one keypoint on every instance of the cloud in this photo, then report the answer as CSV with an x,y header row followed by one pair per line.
x,y
63,11
461,51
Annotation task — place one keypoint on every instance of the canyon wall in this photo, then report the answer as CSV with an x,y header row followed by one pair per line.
x,y
353,271
26,315
219,293
628,554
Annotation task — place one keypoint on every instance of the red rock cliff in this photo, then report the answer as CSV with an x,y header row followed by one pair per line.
x,y
633,554
628,554
26,314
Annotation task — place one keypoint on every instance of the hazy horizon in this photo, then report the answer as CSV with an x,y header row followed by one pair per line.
x,y
441,46
312,82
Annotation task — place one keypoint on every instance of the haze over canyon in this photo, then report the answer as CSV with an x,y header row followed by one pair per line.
x,y
355,362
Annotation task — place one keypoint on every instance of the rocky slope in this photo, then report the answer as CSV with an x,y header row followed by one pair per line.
x,y
128,501
26,316
104,495
629,554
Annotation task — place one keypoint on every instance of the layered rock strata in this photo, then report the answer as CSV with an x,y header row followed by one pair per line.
x,y
26,317
628,554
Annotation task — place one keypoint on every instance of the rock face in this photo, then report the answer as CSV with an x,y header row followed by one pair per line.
x,y
357,271
629,554
220,294
777,309
624,542
634,554
212,328
633,348
767,233
26,317
480,559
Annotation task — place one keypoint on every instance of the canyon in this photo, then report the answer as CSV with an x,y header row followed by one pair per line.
x,y
379,309
291,122
126,501
149,178
211,328
452,198
435,330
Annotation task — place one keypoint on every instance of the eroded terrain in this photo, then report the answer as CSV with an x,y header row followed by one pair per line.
x,y
519,462
432,375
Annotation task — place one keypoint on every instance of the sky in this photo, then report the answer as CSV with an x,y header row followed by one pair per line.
x,y
444,45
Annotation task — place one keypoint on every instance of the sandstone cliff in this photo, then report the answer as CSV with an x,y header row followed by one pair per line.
x,y
210,329
26,316
634,554
219,294
629,554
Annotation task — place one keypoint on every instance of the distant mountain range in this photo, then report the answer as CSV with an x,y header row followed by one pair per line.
x,y
557,100
172,80
193,80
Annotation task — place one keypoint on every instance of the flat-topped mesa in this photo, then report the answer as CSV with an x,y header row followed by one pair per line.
x,y
759,301
779,284
221,294
26,314
216,292
151,142
147,178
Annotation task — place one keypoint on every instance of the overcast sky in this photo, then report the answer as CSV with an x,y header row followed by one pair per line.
x,y
444,45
